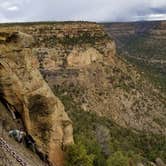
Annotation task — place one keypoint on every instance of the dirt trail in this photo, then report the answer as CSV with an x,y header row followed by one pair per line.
x,y
25,154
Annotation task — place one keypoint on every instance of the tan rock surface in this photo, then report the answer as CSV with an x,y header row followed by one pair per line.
x,y
23,90
83,58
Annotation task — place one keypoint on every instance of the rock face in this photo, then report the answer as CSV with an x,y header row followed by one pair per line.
x,y
23,91
81,59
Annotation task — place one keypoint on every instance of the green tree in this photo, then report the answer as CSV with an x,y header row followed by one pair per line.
x,y
118,159
77,156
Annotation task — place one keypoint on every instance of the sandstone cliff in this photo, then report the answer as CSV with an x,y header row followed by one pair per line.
x,y
23,91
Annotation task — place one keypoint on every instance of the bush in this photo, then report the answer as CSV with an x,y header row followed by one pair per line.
x,y
92,147
118,159
77,156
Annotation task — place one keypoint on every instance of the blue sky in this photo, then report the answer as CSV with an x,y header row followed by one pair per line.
x,y
84,10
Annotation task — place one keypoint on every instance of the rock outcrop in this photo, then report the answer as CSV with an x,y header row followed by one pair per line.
x,y
23,91
84,58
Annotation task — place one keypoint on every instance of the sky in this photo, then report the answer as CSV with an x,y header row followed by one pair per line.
x,y
82,10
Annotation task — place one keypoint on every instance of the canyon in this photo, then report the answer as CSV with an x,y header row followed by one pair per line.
x,y
51,71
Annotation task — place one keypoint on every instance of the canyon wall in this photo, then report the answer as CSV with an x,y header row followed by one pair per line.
x,y
144,47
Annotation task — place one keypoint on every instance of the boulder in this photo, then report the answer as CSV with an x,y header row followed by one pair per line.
x,y
159,162
152,164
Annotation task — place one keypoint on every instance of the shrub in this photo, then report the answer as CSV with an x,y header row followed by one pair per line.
x,y
118,159
77,156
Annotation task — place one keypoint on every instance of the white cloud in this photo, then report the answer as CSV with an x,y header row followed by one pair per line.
x,y
156,17
13,8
